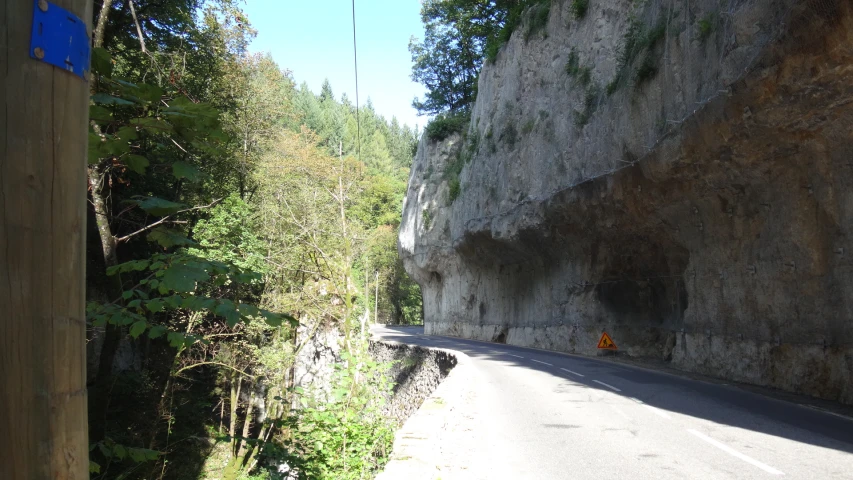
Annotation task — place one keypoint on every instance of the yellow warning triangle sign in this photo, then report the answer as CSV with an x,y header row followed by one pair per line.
x,y
606,342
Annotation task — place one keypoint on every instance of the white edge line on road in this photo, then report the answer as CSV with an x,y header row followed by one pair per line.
x,y
735,453
516,356
657,411
608,386
573,373
543,363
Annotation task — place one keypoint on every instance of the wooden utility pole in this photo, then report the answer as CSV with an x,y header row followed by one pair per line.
x,y
43,141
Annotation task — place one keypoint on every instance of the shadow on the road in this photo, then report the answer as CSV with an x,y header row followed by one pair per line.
x,y
717,403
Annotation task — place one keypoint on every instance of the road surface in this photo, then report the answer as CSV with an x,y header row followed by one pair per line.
x,y
544,415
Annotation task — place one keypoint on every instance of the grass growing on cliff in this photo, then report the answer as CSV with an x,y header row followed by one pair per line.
x,y
538,19
707,25
455,188
514,19
639,38
579,8
590,104
427,217
581,73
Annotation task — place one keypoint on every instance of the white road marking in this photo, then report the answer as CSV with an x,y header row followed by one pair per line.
x,y
573,373
543,363
516,356
608,386
735,453
658,412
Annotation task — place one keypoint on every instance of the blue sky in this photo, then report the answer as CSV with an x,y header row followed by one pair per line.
x,y
314,40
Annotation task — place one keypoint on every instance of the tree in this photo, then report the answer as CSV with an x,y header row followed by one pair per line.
x,y
459,35
42,218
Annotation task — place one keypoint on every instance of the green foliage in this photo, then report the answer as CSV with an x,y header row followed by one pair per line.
x,y
454,189
646,71
579,8
344,436
638,39
445,125
590,104
459,36
509,134
537,19
426,215
707,25
528,127
581,73
229,234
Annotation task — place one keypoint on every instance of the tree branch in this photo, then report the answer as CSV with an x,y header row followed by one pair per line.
x,y
165,219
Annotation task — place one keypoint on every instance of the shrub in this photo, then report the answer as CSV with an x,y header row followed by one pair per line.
x,y
646,71
579,8
455,189
538,19
427,216
707,25
445,125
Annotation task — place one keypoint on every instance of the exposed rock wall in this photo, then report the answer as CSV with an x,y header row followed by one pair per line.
x,y
698,207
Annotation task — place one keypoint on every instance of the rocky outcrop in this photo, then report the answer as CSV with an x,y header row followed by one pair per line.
x,y
677,174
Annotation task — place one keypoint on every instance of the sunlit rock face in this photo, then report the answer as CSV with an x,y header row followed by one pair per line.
x,y
698,208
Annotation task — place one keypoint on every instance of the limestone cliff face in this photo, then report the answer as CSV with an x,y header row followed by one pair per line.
x,y
693,197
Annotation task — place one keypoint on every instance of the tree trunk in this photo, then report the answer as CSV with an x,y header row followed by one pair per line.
x,y
112,333
43,143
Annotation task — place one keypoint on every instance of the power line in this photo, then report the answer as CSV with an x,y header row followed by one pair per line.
x,y
355,57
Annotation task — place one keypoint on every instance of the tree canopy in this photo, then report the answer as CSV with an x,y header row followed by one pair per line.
x,y
459,36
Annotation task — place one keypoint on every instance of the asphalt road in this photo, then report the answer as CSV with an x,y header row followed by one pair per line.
x,y
554,416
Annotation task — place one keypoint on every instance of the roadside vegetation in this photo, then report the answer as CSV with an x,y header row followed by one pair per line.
x,y
234,216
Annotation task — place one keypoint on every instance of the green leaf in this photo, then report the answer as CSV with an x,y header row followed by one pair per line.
x,y
113,147
168,238
99,114
94,148
227,310
183,278
156,331
176,339
135,303
152,124
102,62
94,467
154,305
185,170
105,450
136,163
104,99
158,206
119,451
127,294
137,328
149,93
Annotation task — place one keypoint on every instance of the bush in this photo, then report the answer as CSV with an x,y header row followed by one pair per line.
x,y
445,125
707,25
646,71
538,19
455,189
579,8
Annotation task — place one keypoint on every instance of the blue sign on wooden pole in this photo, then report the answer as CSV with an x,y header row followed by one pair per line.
x,y
60,38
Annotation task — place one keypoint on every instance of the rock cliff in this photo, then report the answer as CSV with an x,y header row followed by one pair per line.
x,y
679,174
